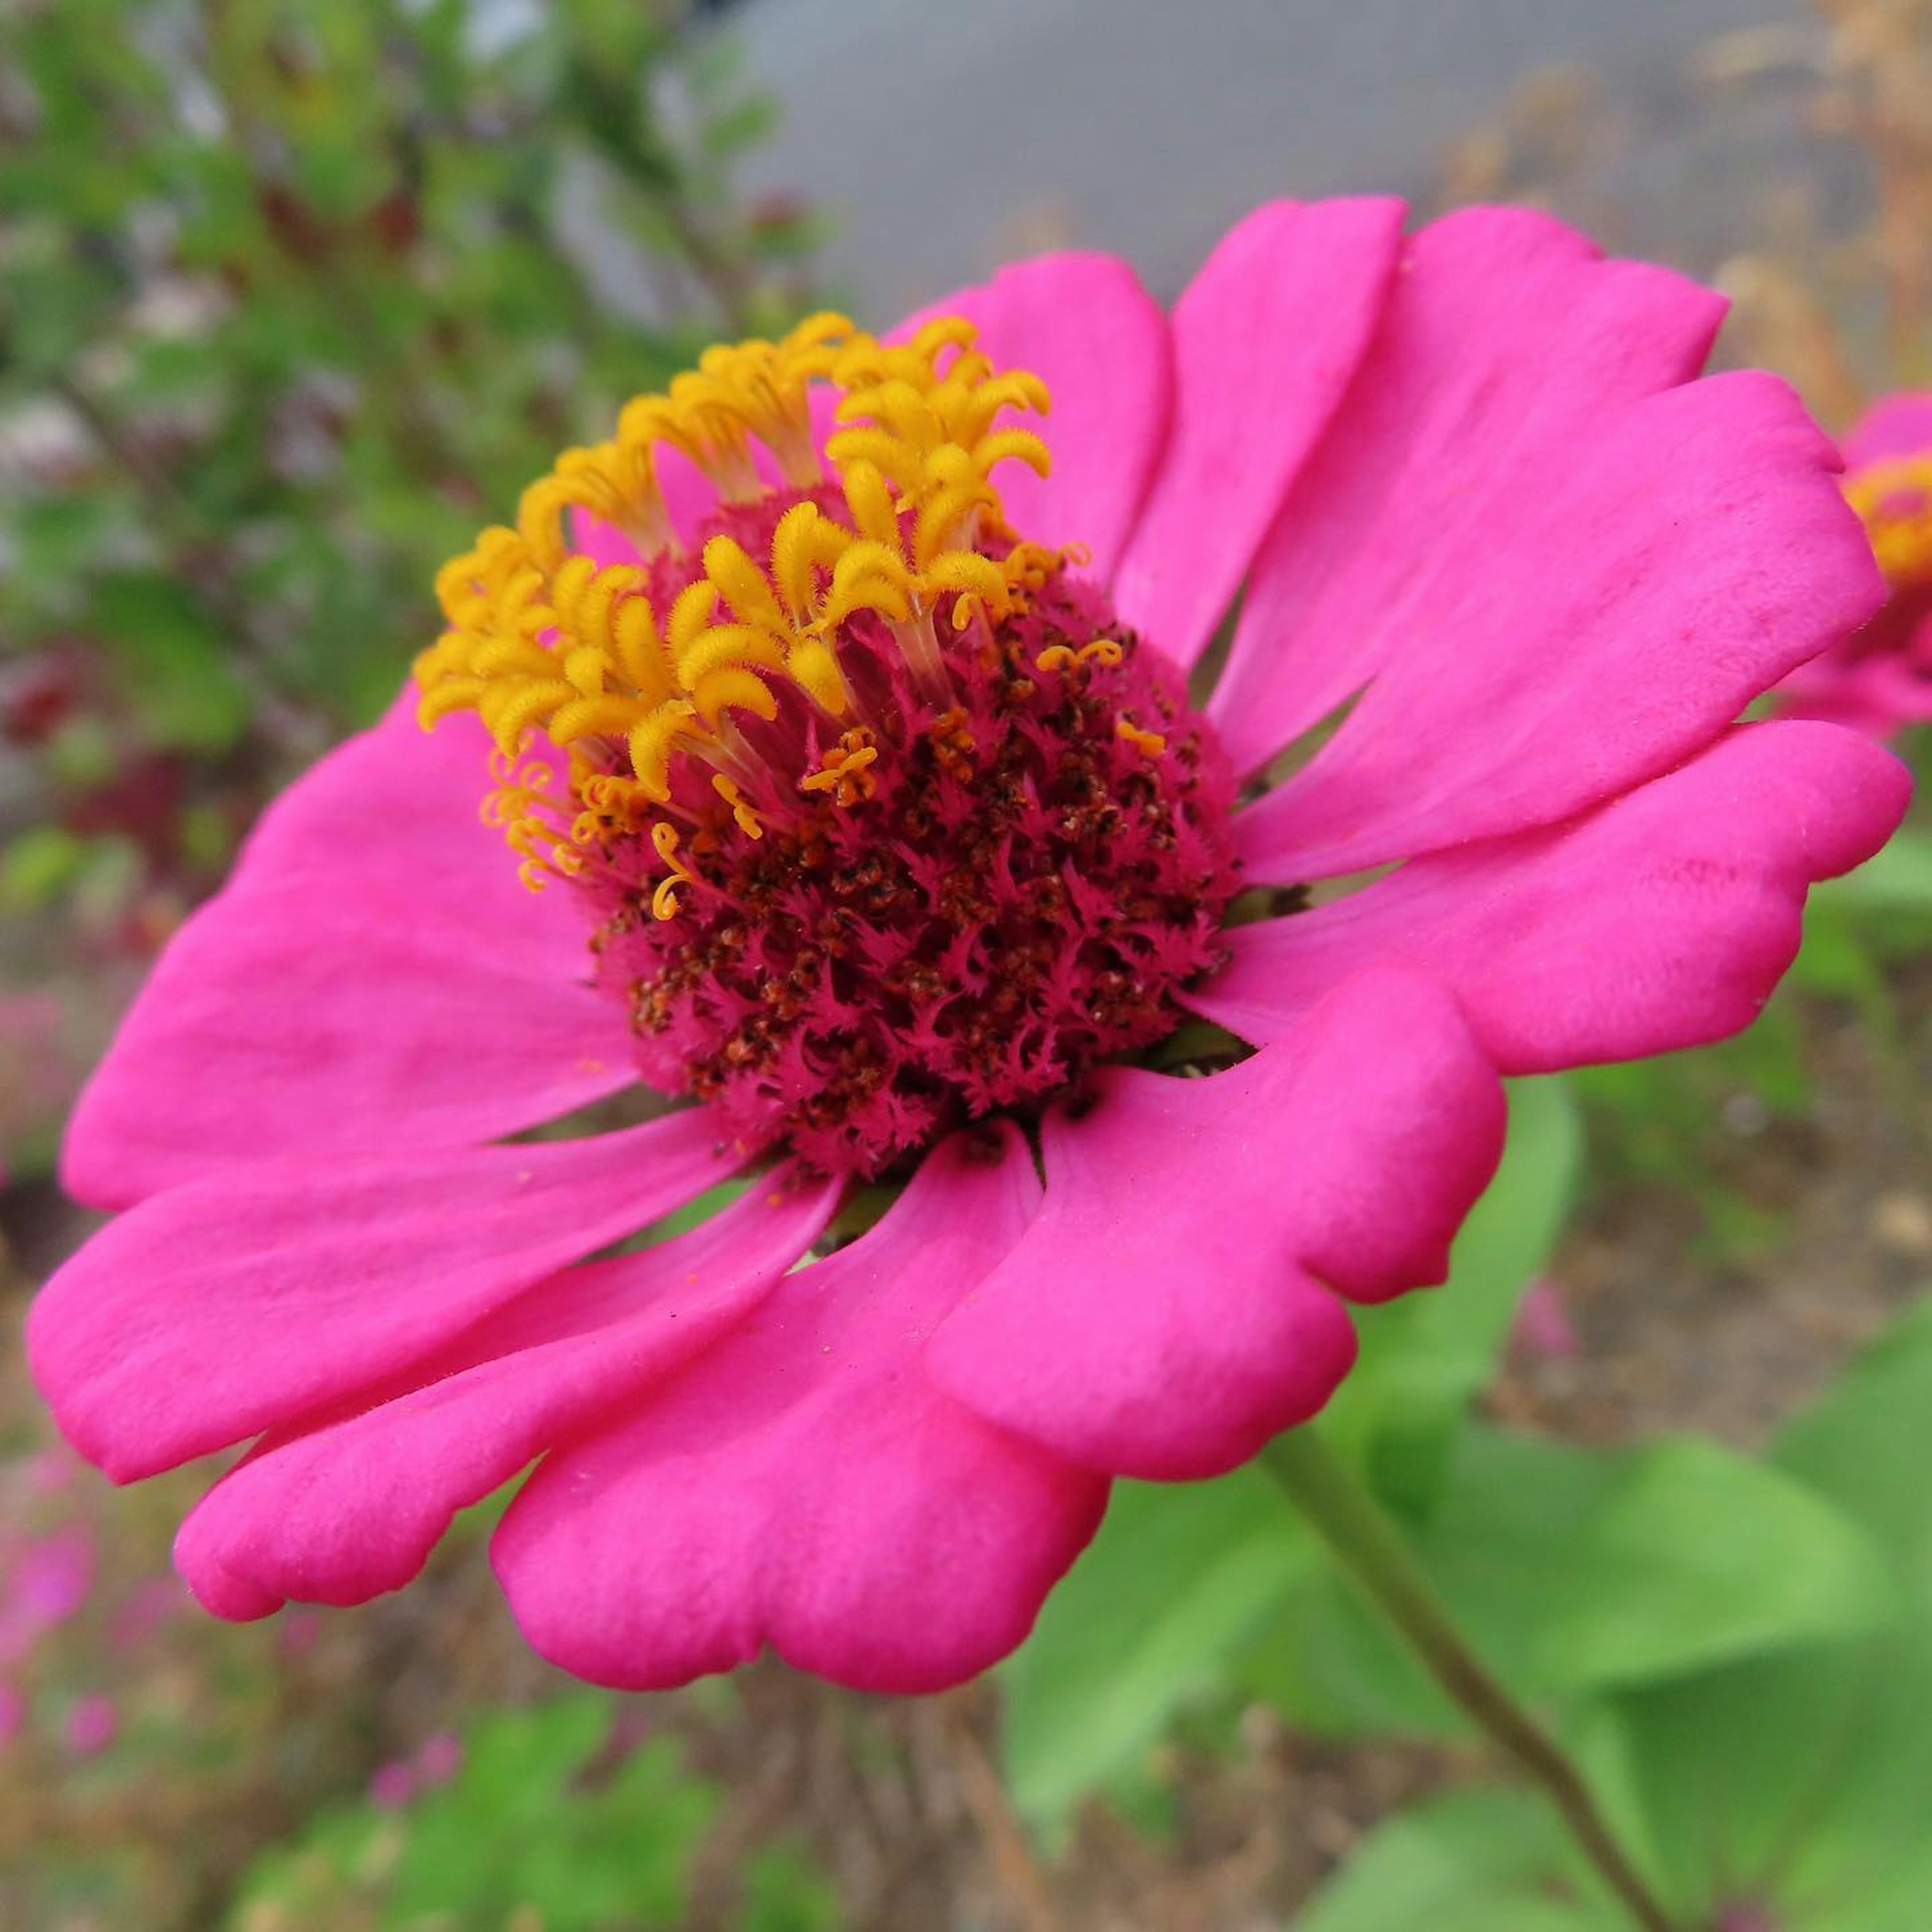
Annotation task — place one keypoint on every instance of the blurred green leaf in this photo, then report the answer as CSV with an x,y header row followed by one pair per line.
x,y
784,1891
1802,1780
1867,1444
541,1815
177,662
1474,1861
38,865
1574,1571
1175,1579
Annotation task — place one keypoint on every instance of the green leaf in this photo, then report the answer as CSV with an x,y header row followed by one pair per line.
x,y
1897,876
518,1826
1574,1571
1802,1778
1177,1578
1867,1444
1593,1568
543,1816
1476,1861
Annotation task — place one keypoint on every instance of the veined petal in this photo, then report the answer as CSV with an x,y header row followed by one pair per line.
x,y
1266,338
237,1303
1645,605
1506,339
338,1512
372,979
1660,920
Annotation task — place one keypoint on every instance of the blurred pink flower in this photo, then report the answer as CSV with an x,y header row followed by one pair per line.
x,y
393,1786
90,1725
440,1759
1878,679
51,1469
49,1580
1543,1329
903,887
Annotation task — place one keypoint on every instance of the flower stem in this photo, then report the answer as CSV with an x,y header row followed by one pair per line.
x,y
1339,1507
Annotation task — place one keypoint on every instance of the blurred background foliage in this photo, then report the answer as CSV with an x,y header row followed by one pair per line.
x,y
291,298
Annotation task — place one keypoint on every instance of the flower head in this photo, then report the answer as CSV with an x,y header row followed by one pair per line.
x,y
837,706
886,822
1880,679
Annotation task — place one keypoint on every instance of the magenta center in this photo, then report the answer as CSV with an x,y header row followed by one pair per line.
x,y
1012,887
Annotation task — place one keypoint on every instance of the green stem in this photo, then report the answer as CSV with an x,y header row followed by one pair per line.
x,y
1339,1507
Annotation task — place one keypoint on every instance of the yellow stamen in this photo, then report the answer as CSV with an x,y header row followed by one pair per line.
x,y
747,819
844,771
541,640
1149,744
664,901
1064,657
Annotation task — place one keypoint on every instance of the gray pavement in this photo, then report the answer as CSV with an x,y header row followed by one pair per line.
x,y
946,135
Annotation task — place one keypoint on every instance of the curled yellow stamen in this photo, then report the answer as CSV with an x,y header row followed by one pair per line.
x,y
664,901
1064,657
746,818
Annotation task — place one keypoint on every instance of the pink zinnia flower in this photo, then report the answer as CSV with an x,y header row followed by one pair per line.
x,y
1880,679
854,749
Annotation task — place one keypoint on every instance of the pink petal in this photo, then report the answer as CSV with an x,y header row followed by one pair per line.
x,y
1607,624
805,1487
1506,336
1170,1308
1660,920
1267,337
1084,324
372,979
397,807
1877,695
1896,425
237,1303
283,1021
340,1512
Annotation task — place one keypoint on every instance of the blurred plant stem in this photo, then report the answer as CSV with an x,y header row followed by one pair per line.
x,y
1338,1507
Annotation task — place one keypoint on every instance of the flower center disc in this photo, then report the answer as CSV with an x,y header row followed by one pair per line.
x,y
899,830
